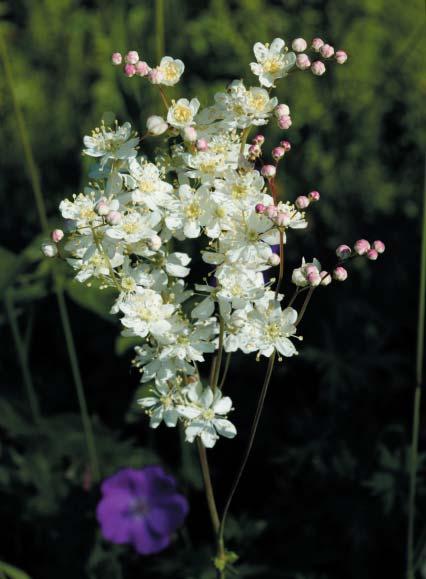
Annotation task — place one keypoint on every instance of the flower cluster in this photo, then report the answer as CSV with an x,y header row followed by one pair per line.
x,y
208,183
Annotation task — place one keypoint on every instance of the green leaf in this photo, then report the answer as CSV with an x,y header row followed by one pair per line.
x,y
12,571
92,298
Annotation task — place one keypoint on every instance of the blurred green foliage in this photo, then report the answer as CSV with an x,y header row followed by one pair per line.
x,y
326,489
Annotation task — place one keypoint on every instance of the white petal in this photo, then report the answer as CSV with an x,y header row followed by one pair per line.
x,y
277,45
225,428
170,417
204,309
286,347
148,401
189,412
209,437
206,397
260,51
223,405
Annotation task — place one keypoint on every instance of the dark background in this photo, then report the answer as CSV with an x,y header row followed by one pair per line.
x,y
325,492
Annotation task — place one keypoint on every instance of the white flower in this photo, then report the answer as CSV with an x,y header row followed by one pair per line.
x,y
242,107
188,341
171,70
152,368
205,414
145,313
156,125
272,62
150,190
161,405
239,286
184,213
300,274
82,211
135,226
89,261
181,114
110,143
237,192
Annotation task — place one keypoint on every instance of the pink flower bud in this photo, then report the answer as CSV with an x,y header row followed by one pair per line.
x,y
155,76
302,61
343,251
131,57
254,151
314,196
285,145
317,43
318,68
189,134
299,45
284,122
379,246
372,254
258,140
102,208
302,202
57,235
129,70
271,211
202,145
340,273
156,125
314,278
274,260
49,249
361,246
282,219
281,110
268,171
155,242
260,208
142,68
116,58
326,51
113,217
341,57
325,278
311,269
278,153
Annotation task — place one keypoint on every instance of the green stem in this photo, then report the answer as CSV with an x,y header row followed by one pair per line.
x,y
244,136
225,370
305,305
253,431
41,209
69,340
417,396
159,29
23,361
208,486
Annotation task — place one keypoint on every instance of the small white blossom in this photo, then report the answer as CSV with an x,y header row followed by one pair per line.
x,y
181,114
272,61
171,70
108,143
145,313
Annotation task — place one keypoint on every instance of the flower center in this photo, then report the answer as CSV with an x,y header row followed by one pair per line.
x,y
146,185
273,331
182,113
193,210
128,284
272,64
170,71
239,192
208,414
139,508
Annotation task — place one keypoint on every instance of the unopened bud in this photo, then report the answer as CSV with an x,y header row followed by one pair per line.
x,y
268,171
57,235
278,153
343,251
325,278
341,57
271,211
302,202
286,145
258,140
102,207
116,58
281,110
318,68
202,145
317,43
314,278
282,219
314,196
254,151
130,70
113,217
155,76
299,45
372,254
302,61
260,208
156,125
361,246
189,134
155,242
49,249
142,68
326,51
131,57
274,260
340,273
379,246
284,122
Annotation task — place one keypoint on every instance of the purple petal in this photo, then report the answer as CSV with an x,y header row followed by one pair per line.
x,y
113,515
145,540
169,516
127,480
159,485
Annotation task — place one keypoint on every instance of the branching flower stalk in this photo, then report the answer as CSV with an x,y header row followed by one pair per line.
x,y
207,182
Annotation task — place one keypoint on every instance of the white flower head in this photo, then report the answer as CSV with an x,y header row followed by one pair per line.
x,y
145,313
181,114
272,61
269,329
111,143
171,70
150,189
205,414
161,405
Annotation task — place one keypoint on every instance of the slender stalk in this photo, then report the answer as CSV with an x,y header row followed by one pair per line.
x,y
159,29
216,371
22,356
252,435
208,486
417,396
41,209
87,425
305,305
101,250
244,136
281,272
225,370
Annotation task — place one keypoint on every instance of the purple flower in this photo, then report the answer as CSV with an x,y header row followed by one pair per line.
x,y
141,507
